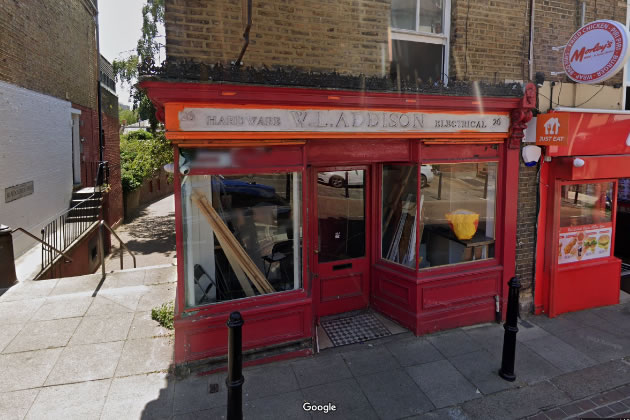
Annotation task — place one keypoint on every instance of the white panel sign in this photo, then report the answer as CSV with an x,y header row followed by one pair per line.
x,y
219,119
596,52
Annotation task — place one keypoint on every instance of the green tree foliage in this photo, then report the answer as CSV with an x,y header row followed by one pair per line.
x,y
147,49
142,154
129,116
126,70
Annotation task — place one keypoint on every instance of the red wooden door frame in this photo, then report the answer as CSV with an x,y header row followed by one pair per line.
x,y
359,296
554,271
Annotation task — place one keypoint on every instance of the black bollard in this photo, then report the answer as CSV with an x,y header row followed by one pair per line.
x,y
235,378
509,337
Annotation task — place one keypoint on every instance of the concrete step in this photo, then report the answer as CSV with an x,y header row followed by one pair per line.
x,y
77,219
80,203
86,209
86,193
84,212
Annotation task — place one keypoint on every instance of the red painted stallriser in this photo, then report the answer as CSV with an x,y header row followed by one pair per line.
x,y
423,301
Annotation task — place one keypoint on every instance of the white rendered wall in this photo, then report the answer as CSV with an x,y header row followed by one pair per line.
x,y
35,145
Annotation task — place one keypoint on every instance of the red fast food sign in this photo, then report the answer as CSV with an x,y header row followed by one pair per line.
x,y
596,52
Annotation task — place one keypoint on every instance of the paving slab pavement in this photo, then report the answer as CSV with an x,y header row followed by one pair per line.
x,y
65,353
150,235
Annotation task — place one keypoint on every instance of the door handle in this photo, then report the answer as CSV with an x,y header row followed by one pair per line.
x,y
316,251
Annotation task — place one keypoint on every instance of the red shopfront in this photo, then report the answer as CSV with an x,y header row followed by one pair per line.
x,y
293,204
584,215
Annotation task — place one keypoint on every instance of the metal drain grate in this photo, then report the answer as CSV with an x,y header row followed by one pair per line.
x,y
354,329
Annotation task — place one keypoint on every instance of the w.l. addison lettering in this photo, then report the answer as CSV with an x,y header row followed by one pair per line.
x,y
214,119
347,119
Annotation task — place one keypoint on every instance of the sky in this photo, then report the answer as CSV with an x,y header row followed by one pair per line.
x,y
120,25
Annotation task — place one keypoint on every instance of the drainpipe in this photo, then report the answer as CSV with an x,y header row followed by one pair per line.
x,y
531,39
248,26
98,88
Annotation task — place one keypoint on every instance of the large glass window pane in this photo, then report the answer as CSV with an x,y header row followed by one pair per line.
x,y
585,222
404,14
586,204
341,215
400,189
431,16
457,209
242,235
413,61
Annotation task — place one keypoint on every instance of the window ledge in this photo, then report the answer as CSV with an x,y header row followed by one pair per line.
x,y
407,35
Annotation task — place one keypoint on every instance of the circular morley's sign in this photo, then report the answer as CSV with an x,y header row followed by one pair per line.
x,y
596,52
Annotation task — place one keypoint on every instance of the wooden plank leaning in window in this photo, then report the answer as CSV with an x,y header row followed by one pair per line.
x,y
240,261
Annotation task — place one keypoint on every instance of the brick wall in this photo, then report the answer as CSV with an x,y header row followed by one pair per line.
x,y
348,36
49,46
88,129
160,186
111,153
526,232
557,20
489,40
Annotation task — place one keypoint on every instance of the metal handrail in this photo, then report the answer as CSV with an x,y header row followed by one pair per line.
x,y
102,246
42,242
62,233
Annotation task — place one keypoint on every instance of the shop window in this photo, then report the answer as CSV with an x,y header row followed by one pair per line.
x,y
242,236
341,215
419,40
400,189
586,204
585,221
457,213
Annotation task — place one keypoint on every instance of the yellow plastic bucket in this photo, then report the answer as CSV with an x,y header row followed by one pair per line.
x,y
463,223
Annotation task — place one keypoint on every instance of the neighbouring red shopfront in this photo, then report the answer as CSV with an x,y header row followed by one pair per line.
x,y
294,203
584,211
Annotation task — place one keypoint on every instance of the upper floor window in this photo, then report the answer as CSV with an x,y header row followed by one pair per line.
x,y
418,15
419,40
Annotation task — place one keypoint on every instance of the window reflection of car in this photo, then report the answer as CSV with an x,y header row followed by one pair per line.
x,y
250,194
426,175
339,179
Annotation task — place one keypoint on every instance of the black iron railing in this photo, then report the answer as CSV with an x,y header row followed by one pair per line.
x,y
66,228
101,249
84,215
95,174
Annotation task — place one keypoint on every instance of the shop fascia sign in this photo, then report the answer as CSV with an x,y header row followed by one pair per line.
x,y
552,129
596,52
304,120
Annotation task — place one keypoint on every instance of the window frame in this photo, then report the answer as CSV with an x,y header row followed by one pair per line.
x,y
256,299
381,171
396,34
557,202
498,242
430,272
